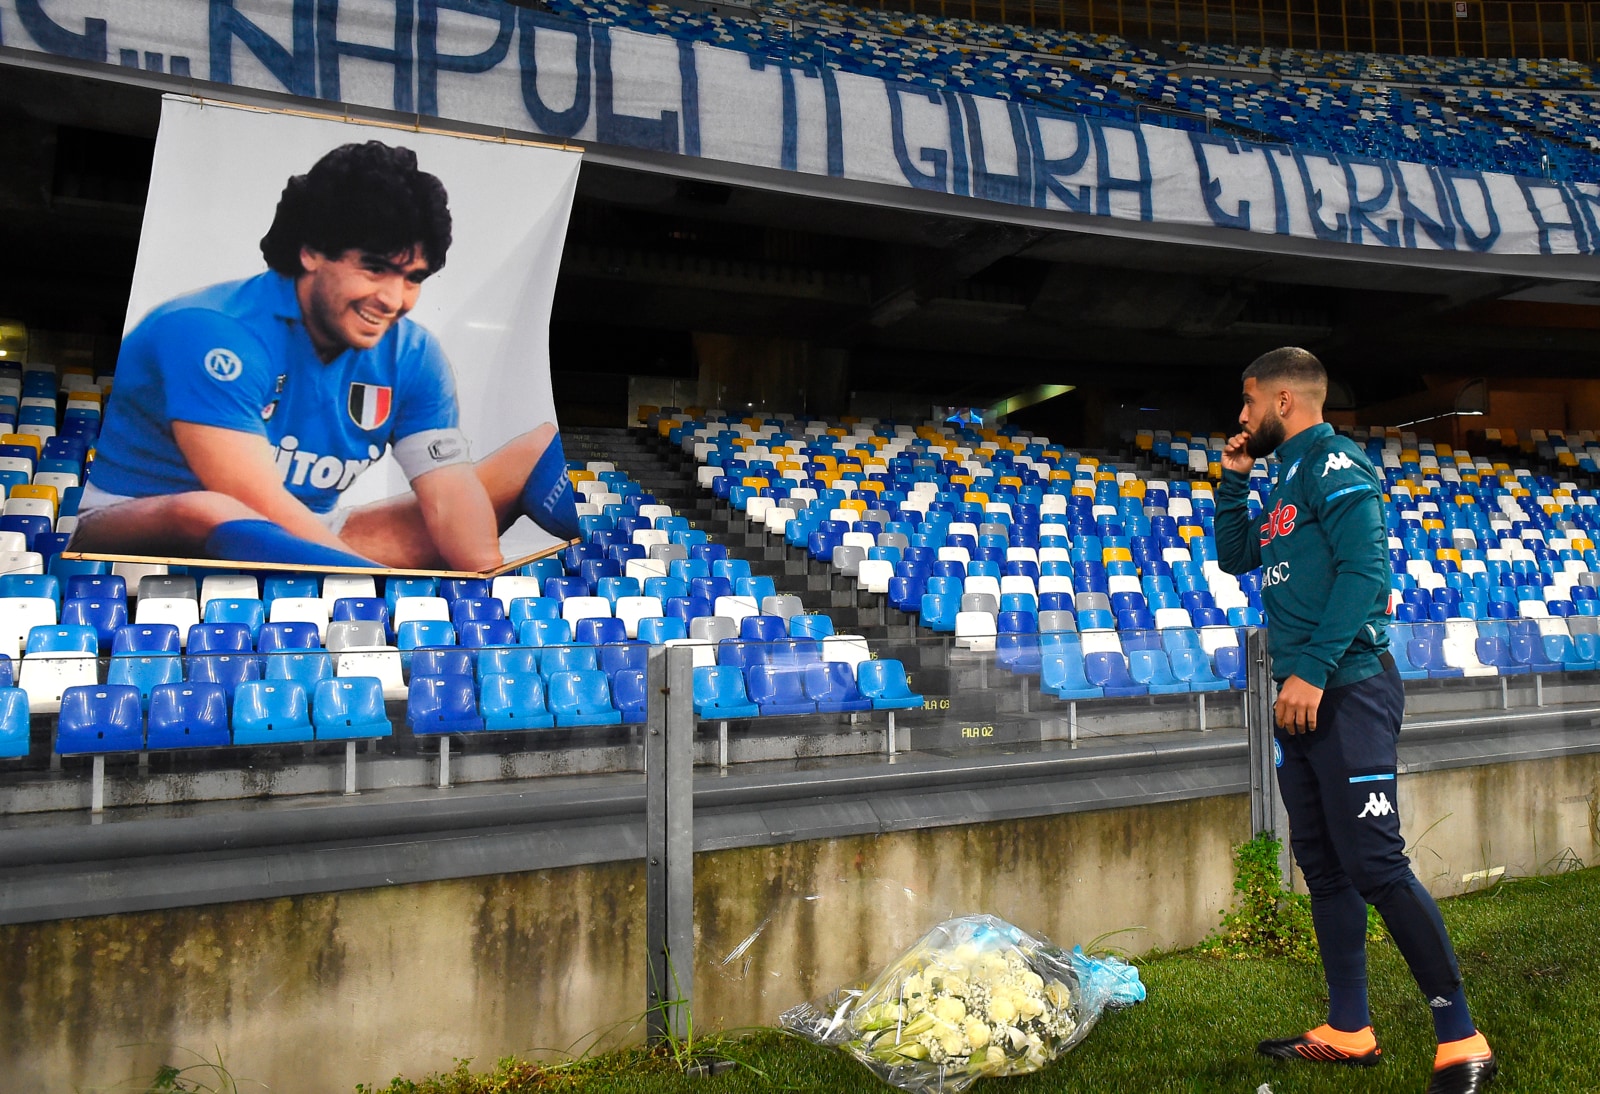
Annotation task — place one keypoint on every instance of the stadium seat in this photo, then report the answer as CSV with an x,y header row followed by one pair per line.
x,y
514,701
629,694
270,712
252,613
778,691
349,707
309,668
294,609
884,683
145,671
382,664
442,661
188,715
295,635
181,612
443,704
832,686
719,693
581,698
487,632
104,616
424,632
100,718
346,634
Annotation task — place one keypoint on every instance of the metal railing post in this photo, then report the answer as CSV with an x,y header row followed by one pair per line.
x,y
1266,805
669,842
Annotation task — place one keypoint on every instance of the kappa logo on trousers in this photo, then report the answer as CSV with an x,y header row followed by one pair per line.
x,y
1377,806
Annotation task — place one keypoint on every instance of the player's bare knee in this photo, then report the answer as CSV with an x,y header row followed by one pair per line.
x,y
200,511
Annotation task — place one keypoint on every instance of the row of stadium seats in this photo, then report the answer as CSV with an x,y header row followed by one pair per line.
x,y
1320,102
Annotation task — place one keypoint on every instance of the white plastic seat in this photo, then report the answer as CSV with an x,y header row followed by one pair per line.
x,y
652,512
1123,583
181,611
61,480
755,509
650,537
228,587
292,609
1215,638
873,575
1056,583
981,583
574,608
508,587
850,649
18,616
31,507
1168,618
1018,583
736,608
380,662
1100,641
975,631
705,653
631,609
954,554
642,569
337,587
407,608
132,573
12,543
777,520
44,676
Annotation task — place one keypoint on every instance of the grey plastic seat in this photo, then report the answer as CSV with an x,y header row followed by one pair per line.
x,y
713,628
168,586
894,539
980,602
1583,624
847,560
345,633
1089,602
784,605
1057,620
882,516
798,505
994,528
1589,578
668,552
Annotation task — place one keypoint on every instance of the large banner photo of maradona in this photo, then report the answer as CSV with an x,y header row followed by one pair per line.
x,y
336,350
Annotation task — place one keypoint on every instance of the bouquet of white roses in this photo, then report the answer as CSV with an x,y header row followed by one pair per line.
x,y
975,996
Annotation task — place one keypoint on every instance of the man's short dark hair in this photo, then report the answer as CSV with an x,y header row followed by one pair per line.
x,y
368,197
1290,366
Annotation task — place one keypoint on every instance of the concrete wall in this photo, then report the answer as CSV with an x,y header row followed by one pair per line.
x,y
319,993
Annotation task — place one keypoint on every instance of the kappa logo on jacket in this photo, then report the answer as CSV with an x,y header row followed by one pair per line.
x,y
1280,522
1337,461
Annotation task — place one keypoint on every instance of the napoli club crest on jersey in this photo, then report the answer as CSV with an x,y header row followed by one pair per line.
x,y
370,404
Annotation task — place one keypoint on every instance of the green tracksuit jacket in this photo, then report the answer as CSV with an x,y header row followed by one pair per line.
x,y
1323,552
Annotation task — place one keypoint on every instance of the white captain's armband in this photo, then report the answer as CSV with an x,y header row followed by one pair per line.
x,y
430,450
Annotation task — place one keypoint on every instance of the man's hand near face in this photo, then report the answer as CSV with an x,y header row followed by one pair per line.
x,y
1234,456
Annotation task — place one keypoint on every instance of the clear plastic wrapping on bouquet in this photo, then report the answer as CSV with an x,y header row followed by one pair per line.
x,y
974,997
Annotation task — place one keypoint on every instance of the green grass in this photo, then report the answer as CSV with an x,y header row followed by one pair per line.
x,y
1530,952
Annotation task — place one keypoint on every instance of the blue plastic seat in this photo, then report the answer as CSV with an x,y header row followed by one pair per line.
x,y
1151,669
581,698
514,701
267,712
524,608
757,588
441,661
300,587
458,588
812,625
1232,666
468,609
97,587
14,724
188,715
832,686
1108,671
884,683
443,704
938,612
655,630
145,638
349,707
396,587
500,660
599,630
719,693
310,668
1016,643
487,632
251,613
414,633
105,616
145,671
1061,671
629,694
71,639
220,638
762,628
1191,666
288,636
100,718
545,632
623,657
366,608
778,690
571,658
741,654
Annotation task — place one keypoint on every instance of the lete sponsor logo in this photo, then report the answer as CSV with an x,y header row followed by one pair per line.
x,y
1280,522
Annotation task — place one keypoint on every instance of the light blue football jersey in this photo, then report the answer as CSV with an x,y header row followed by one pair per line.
x,y
237,356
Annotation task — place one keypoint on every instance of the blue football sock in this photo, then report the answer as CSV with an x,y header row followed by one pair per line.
x,y
264,541
547,496
1340,920
1452,1021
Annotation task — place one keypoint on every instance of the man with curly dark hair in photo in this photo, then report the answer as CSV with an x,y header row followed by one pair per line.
x,y
242,412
